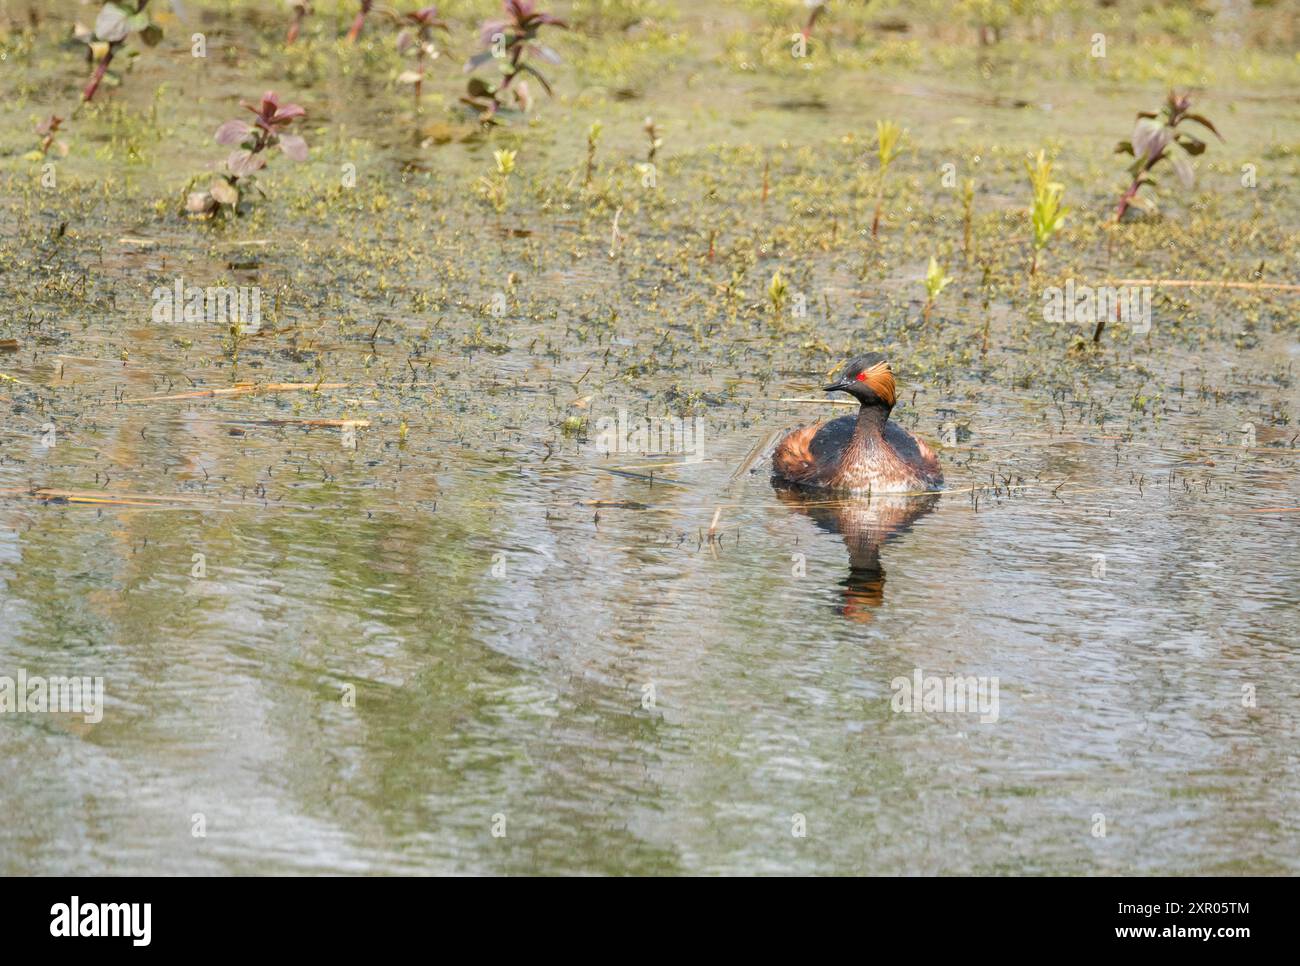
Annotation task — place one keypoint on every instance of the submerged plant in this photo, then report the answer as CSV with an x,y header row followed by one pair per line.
x,y
419,37
1046,214
300,9
888,136
359,21
116,22
252,140
935,282
511,44
1153,136
496,189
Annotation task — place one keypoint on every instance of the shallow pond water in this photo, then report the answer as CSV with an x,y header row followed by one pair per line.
x,y
368,596
633,694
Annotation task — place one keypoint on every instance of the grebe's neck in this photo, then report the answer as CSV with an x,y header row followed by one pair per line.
x,y
871,423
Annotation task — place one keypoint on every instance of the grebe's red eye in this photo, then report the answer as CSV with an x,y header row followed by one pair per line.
x,y
861,377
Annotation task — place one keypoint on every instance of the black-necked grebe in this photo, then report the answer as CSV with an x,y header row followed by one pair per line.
x,y
859,454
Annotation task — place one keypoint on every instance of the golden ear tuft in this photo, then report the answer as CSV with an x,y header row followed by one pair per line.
x,y
881,380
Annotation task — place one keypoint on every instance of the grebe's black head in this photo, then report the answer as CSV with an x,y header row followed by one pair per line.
x,y
868,379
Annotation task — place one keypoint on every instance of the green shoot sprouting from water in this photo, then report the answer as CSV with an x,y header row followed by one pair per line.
x,y
496,189
1046,214
777,290
888,136
935,282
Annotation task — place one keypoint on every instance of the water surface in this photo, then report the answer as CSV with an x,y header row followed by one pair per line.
x,y
368,655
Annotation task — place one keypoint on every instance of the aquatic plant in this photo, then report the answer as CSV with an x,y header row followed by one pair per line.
x,y
935,282
1046,213
777,290
992,17
300,9
359,21
593,138
615,236
114,24
419,37
888,138
496,188
652,136
511,43
1153,136
967,204
252,140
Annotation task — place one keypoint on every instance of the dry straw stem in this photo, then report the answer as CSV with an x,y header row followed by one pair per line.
x,y
658,466
243,389
103,498
644,478
342,423
1204,283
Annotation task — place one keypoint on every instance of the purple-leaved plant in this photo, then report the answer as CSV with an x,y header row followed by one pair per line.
x,y
252,139
115,22
360,21
1154,135
511,44
300,10
418,36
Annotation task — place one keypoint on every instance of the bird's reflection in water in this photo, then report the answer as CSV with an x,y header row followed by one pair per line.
x,y
866,524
